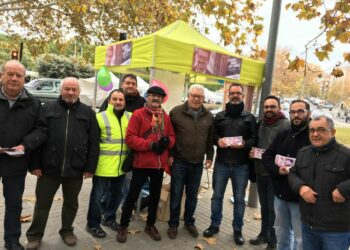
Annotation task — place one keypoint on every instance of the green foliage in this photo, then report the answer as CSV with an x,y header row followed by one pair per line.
x,y
55,66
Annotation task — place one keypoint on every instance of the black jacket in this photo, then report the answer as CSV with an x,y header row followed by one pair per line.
x,y
226,126
324,170
72,145
19,125
286,143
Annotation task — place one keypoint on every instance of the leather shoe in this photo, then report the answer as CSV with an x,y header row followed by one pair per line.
x,y
33,244
70,239
122,234
97,232
14,246
271,247
111,224
153,232
172,232
259,240
192,230
237,235
209,232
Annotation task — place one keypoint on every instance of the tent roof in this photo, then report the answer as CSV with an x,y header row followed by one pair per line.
x,y
172,48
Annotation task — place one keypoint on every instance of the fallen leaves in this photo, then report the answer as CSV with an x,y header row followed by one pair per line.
x,y
134,231
199,246
26,218
210,240
98,247
257,216
29,198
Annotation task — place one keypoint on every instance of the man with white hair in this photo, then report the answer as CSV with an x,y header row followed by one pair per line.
x,y
69,154
193,125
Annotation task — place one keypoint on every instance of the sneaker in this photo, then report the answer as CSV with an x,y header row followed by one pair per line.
x,y
70,239
111,224
192,230
172,232
122,234
259,240
33,244
97,232
209,232
153,232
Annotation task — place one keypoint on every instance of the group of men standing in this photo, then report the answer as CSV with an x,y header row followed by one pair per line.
x,y
65,141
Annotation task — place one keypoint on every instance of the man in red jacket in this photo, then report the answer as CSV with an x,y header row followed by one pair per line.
x,y
151,135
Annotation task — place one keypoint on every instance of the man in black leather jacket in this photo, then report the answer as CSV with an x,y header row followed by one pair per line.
x,y
321,177
235,132
69,154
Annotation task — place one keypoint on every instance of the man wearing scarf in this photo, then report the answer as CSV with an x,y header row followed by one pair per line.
x,y
287,143
321,177
273,122
232,160
151,135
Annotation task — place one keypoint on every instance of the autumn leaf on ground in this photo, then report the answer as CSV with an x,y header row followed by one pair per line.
x,y
346,57
210,240
144,216
257,216
26,218
29,198
133,231
58,198
98,247
199,246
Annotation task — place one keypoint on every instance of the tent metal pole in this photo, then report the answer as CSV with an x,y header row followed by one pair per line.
x,y
95,93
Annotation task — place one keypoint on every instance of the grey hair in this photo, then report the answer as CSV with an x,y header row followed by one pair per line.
x,y
69,78
3,66
330,122
196,86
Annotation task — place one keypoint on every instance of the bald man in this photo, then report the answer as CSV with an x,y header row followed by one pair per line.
x,y
69,154
19,132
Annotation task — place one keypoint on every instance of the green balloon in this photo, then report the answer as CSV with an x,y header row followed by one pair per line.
x,y
104,77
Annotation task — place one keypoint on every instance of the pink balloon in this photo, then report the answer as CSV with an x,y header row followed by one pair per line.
x,y
107,88
161,85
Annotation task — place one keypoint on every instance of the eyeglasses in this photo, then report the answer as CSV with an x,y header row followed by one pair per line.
x,y
196,96
235,93
320,130
270,107
299,112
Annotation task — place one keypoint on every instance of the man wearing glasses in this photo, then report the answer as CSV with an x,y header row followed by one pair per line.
x,y
235,133
284,148
272,123
321,177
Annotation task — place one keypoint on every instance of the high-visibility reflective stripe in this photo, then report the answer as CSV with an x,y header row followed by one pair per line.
x,y
108,126
112,141
110,152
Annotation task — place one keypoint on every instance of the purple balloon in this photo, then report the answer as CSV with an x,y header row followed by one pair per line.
x,y
107,88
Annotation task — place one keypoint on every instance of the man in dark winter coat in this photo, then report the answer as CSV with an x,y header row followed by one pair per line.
x,y
235,133
273,123
19,132
69,154
321,177
285,147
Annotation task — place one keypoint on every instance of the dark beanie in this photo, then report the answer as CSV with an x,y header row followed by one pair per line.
x,y
156,90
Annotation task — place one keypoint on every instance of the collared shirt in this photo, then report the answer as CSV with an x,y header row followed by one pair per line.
x,y
9,99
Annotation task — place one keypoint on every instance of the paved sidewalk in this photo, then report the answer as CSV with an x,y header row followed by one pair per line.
x,y
140,240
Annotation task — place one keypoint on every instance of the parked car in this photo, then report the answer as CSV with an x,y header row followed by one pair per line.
x,y
45,89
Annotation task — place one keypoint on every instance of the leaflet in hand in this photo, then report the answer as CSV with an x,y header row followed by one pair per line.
x,y
11,151
233,141
283,161
257,152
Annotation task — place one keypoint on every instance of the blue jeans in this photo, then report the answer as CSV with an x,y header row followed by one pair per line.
x,y
266,197
325,240
189,175
238,173
100,186
287,225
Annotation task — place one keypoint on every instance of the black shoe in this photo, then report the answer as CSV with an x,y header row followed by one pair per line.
x,y
237,235
259,240
14,246
271,247
211,231
112,225
96,231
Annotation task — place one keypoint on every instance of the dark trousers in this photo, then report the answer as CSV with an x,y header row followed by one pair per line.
x,y
13,188
189,175
139,177
46,188
100,186
266,199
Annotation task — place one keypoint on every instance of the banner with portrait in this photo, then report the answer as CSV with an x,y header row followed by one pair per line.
x,y
216,64
118,54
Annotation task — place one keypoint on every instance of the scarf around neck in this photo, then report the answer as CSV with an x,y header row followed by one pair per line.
x,y
272,120
234,110
157,122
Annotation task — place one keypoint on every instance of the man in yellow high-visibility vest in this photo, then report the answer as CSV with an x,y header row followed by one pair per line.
x,y
109,177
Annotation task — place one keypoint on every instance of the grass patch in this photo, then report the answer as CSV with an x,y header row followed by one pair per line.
x,y
343,136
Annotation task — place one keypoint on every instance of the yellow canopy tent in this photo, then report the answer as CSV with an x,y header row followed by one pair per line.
x,y
171,49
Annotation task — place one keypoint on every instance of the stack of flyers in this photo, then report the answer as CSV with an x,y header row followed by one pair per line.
x,y
283,161
11,151
257,152
233,141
